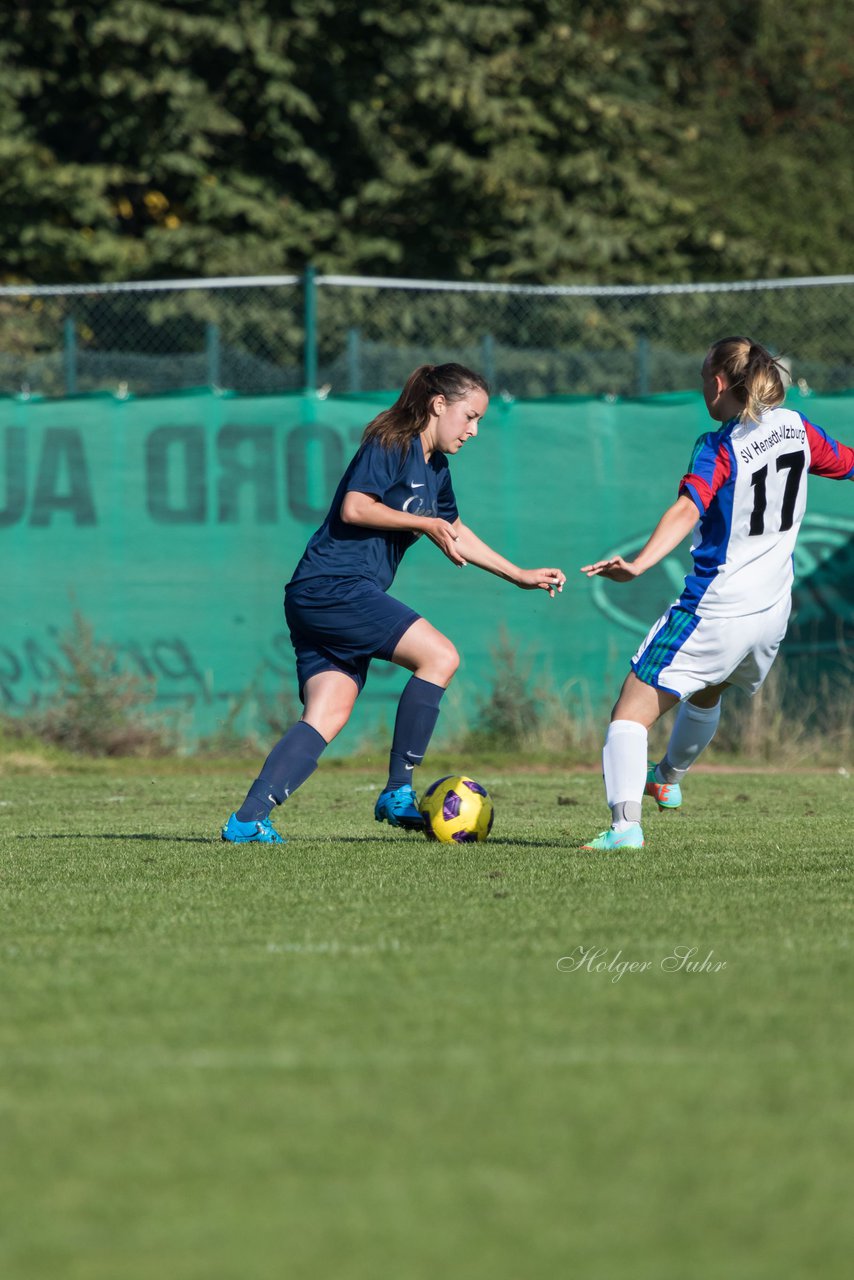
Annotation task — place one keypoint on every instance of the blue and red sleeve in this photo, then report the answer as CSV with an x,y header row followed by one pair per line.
x,y
708,471
827,456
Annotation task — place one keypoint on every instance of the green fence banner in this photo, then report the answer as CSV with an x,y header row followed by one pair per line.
x,y
172,523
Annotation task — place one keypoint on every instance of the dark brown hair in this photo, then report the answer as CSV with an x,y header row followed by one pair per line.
x,y
408,416
755,377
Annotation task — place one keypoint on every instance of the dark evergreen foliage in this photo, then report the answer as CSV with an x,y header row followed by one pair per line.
x,y
538,140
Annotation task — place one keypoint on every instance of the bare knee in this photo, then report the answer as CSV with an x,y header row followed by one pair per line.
x,y
441,666
329,700
452,662
427,654
641,702
327,722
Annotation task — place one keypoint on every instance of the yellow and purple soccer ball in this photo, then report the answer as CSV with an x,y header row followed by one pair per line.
x,y
456,810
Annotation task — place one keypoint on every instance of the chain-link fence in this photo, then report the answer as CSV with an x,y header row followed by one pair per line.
x,y
351,334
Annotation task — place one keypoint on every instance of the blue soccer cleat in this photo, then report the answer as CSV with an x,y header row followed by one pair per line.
x,y
260,831
399,808
667,795
610,841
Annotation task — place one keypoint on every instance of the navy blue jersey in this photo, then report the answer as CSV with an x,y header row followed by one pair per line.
x,y
400,479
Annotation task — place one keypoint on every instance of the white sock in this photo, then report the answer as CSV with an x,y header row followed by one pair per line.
x,y
624,767
692,732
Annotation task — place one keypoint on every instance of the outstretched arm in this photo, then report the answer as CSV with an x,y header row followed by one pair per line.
x,y
675,525
475,551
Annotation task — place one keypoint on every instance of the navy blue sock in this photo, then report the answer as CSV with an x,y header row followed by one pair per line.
x,y
293,759
417,713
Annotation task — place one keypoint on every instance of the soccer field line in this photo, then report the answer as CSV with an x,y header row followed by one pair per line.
x,y
279,1058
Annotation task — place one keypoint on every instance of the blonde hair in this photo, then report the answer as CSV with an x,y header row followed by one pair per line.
x,y
755,377
410,413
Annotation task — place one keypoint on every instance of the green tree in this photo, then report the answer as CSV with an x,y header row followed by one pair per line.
x,y
541,140
140,139
771,89
517,141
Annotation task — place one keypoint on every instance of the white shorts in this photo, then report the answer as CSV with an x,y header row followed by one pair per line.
x,y
684,653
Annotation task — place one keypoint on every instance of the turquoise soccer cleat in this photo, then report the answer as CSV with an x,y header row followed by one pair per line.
x,y
610,841
261,831
667,795
399,808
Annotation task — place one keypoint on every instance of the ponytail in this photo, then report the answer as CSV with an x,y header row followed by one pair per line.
x,y
398,426
755,377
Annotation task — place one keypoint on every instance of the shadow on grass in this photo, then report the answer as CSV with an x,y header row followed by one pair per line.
x,y
293,840
434,845
116,835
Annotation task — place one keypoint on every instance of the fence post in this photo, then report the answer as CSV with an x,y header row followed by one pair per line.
x,y
212,351
69,356
487,348
354,360
643,364
309,329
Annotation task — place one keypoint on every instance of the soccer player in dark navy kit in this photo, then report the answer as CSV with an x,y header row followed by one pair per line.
x,y
397,487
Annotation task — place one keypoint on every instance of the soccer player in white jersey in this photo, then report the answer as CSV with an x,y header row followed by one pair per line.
x,y
747,483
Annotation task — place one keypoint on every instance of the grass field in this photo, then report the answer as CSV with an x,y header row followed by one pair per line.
x,y
357,1056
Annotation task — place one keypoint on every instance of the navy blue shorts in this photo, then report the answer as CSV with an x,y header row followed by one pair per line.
x,y
340,624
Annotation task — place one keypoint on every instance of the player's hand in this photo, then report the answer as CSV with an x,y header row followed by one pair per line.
x,y
550,580
617,569
445,537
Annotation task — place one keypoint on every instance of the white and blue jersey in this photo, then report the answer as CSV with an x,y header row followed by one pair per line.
x,y
401,479
748,481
